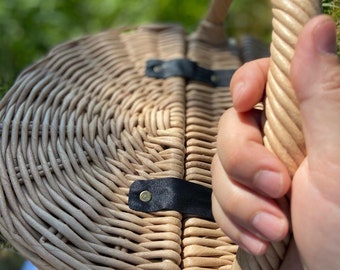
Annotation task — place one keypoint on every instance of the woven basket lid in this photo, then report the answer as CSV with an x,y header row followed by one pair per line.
x,y
81,125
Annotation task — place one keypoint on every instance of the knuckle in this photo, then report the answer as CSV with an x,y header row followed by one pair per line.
x,y
234,198
331,81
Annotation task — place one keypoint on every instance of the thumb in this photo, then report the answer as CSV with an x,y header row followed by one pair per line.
x,y
315,75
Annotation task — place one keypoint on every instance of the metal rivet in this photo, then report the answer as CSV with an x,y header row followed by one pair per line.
x,y
157,69
145,196
213,78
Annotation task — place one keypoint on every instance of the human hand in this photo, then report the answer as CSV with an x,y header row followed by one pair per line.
x,y
248,178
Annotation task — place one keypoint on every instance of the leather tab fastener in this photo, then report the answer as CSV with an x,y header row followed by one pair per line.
x,y
171,194
187,69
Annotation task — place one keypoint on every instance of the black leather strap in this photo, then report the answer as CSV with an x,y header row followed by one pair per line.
x,y
187,69
171,194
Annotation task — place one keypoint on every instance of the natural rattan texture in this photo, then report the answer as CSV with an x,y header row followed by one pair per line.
x,y
77,129
204,245
81,125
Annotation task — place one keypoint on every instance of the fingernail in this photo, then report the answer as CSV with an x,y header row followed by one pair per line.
x,y
269,182
251,244
269,226
325,36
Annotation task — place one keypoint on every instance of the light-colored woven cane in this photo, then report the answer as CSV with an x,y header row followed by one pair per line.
x,y
283,128
204,245
81,125
77,129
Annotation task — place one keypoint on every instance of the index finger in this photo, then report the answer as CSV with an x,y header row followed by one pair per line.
x,y
248,84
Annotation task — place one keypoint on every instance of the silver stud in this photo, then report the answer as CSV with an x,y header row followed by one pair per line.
x,y
145,196
158,69
213,78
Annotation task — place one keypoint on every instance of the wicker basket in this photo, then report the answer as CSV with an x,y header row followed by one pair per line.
x,y
84,123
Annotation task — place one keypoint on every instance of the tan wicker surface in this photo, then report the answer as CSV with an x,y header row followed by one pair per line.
x,y
76,129
204,245
81,125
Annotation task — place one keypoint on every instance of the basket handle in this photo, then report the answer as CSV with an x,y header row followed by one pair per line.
x,y
289,17
217,11
283,129
211,29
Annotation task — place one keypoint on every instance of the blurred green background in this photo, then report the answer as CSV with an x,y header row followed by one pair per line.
x,y
29,28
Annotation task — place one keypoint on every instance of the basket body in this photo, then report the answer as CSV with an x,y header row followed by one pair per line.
x,y
80,126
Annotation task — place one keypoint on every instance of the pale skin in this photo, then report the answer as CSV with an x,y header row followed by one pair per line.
x,y
248,179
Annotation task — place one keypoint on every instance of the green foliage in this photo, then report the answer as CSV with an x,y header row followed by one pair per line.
x,y
250,17
332,8
29,28
9,260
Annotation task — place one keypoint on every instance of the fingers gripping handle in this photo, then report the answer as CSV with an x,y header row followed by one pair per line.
x,y
283,129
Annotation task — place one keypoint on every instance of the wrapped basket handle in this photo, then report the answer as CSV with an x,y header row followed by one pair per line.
x,y
283,131
283,128
211,30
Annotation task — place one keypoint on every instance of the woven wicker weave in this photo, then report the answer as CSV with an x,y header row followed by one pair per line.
x,y
78,127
